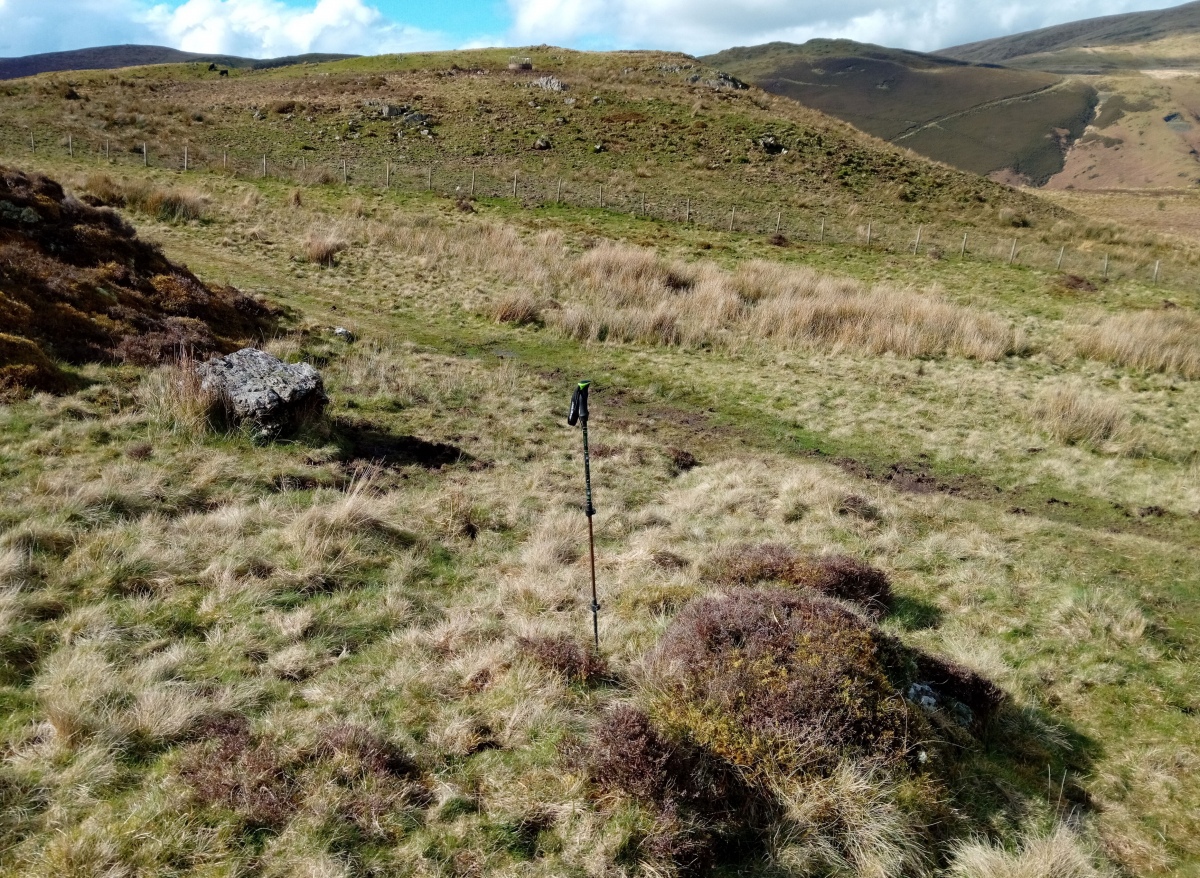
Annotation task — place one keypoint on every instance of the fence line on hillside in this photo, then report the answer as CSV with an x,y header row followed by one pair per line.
x,y
792,224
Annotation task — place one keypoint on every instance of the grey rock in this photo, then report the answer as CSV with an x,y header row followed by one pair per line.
x,y
542,143
962,714
264,391
923,695
344,334
770,144
392,111
724,80
26,215
550,83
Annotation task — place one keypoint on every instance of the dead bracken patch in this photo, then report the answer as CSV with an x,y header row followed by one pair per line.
x,y
578,664
1075,282
250,777
767,678
836,576
77,285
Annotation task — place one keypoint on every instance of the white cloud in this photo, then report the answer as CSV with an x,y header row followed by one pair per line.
x,y
253,28
701,26
270,28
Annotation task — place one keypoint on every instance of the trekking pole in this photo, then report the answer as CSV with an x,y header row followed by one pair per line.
x,y
579,414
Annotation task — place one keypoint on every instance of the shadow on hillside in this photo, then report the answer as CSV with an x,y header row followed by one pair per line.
x,y
914,614
365,443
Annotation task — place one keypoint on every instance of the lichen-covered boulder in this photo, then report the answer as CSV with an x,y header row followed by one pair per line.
x,y
266,392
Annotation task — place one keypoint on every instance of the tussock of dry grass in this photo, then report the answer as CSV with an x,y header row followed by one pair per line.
x,y
1154,341
517,307
1060,854
167,204
323,244
1071,413
174,397
623,293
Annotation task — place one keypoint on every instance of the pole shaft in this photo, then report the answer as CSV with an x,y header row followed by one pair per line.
x,y
590,510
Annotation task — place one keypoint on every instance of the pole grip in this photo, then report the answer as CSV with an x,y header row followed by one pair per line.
x,y
579,404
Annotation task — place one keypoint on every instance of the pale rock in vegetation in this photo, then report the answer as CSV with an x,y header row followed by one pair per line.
x,y
263,390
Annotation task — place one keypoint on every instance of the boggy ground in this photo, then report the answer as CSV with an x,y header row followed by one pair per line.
x,y
313,657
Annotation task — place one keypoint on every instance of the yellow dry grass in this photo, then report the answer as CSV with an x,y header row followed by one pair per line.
x,y
1072,413
1167,340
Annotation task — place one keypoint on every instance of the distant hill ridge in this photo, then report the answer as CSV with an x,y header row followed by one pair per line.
x,y
128,55
979,117
1108,30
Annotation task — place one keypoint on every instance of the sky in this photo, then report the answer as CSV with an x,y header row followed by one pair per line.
x,y
272,28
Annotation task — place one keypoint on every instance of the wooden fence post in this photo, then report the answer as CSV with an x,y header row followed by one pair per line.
x,y
1012,254
145,156
1156,264
687,212
185,156
732,211
345,173
472,184
70,146
868,236
1061,251
429,179
387,174
778,221
821,238
1106,266
962,254
601,196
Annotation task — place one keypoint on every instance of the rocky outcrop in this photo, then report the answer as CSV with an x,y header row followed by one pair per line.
x,y
263,391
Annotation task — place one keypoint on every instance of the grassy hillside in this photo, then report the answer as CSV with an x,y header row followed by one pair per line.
x,y
1109,30
979,118
643,121
825,476
112,57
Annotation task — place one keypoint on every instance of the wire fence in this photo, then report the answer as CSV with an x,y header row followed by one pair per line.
x,y
1081,265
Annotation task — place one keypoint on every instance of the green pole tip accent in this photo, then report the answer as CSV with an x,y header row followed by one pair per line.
x,y
583,384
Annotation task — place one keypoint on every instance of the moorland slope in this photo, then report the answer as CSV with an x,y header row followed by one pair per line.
x,y
113,57
1050,48
896,547
980,118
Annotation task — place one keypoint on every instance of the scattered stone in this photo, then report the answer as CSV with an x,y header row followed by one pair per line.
x,y
392,111
264,391
927,698
922,695
570,102
724,80
962,714
344,334
542,143
771,145
550,83
599,147
12,213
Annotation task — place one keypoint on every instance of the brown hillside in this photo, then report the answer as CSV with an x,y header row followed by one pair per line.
x,y
77,285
